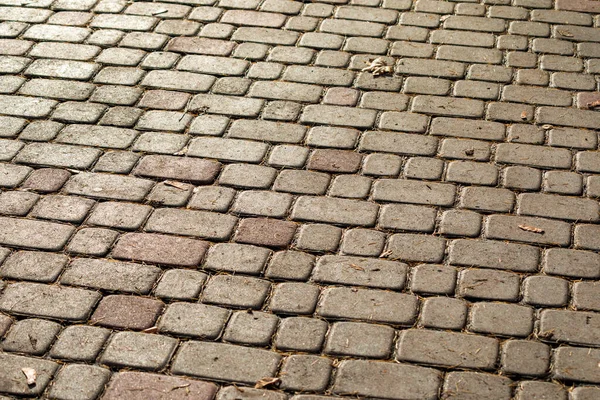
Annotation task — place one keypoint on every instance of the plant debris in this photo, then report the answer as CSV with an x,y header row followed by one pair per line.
x,y
152,329
267,382
531,229
379,67
30,374
593,104
176,184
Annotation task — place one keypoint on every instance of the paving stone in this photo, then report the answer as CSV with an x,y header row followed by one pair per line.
x,y
585,393
194,320
397,143
460,223
191,223
50,301
225,362
366,305
17,203
236,291
262,203
433,279
79,381
342,211
305,373
447,349
360,272
254,328
318,238
294,298
363,242
335,115
476,385
545,291
301,334
140,385
127,312
33,266
111,275
138,350
292,265
576,364
79,343
181,284
49,235
108,186
569,326
234,392
525,357
569,208
409,191
501,319
502,227
534,389
573,263
489,284
30,336
483,130
494,254
160,249
414,247
443,313
386,380
13,380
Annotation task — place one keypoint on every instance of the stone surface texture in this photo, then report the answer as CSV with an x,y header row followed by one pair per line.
x,y
294,199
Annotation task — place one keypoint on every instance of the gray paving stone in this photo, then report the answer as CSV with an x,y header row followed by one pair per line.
x,y
489,284
478,385
447,349
110,275
501,319
13,380
366,305
79,343
303,334
30,336
414,247
501,227
193,320
108,186
254,328
138,350
360,272
341,211
236,291
443,313
225,362
79,381
494,254
410,191
49,301
524,357
386,380
575,327
359,339
576,364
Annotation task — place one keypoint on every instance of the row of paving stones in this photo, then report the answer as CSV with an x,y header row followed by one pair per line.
x,y
385,380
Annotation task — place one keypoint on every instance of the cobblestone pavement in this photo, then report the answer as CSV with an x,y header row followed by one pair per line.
x,y
201,196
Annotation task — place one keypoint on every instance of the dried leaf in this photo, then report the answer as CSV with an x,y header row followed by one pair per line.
x,y
379,67
524,115
157,12
564,33
30,374
531,229
266,382
356,267
176,184
469,152
386,254
593,104
152,329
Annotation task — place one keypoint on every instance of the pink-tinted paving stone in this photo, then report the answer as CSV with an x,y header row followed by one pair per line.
x,y
127,312
182,168
588,100
145,386
590,6
334,161
160,249
47,180
265,232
